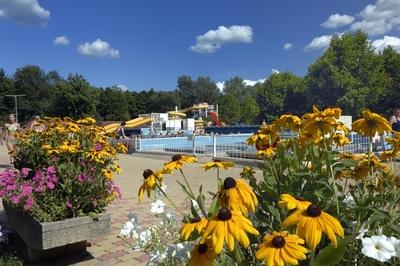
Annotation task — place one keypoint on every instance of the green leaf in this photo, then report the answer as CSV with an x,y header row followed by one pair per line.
x,y
330,256
214,207
94,216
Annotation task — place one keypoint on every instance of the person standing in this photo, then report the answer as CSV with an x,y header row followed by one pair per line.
x,y
37,125
11,129
394,120
121,131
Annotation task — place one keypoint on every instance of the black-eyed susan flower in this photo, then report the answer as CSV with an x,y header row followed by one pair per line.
x,y
370,124
312,222
291,122
202,254
268,152
340,140
247,171
178,161
217,164
148,185
122,148
290,202
281,248
238,196
196,224
227,227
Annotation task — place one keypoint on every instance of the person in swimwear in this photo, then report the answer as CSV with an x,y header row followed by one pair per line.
x,y
10,129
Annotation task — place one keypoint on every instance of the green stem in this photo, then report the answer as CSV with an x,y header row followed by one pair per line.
x,y
188,185
169,200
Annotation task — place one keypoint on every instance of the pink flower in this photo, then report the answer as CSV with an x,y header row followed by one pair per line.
x,y
15,199
81,177
38,189
25,171
54,158
51,170
50,185
11,187
26,190
28,204
68,204
2,192
38,176
98,146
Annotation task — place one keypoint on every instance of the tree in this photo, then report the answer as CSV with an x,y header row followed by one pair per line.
x,y
249,110
281,93
113,104
32,81
75,97
349,74
187,91
391,63
206,91
6,103
230,109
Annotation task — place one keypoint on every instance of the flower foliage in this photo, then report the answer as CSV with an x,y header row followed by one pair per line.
x,y
65,171
335,207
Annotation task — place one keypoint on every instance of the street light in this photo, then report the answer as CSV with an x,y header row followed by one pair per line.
x,y
16,103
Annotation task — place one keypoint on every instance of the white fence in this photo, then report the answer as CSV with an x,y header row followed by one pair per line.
x,y
232,145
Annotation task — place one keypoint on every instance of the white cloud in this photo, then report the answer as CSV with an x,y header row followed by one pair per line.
x,y
379,18
98,48
213,40
275,71
220,85
122,87
386,41
253,82
61,40
27,12
336,20
288,46
320,42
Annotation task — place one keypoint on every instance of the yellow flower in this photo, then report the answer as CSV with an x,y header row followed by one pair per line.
x,y
268,152
342,127
226,227
340,140
312,222
321,122
386,155
238,196
108,174
122,148
290,202
367,163
370,124
291,122
395,142
149,184
196,224
178,161
203,254
281,248
217,164
247,171
86,121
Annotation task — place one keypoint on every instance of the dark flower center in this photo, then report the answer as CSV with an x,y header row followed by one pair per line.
x,y
229,182
278,241
224,214
202,248
176,157
196,219
217,161
313,210
147,173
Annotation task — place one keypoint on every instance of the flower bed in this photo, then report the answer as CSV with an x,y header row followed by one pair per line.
x,y
313,205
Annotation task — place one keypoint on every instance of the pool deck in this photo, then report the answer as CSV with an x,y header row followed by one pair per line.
x,y
111,250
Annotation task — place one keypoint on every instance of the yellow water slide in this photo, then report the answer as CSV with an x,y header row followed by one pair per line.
x,y
181,113
129,124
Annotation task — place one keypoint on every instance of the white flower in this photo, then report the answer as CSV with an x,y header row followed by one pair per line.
x,y
145,236
396,245
163,187
349,200
127,229
378,247
156,258
180,250
157,207
362,232
169,215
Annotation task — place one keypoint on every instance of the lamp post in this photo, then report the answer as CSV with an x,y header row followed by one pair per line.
x,y
16,103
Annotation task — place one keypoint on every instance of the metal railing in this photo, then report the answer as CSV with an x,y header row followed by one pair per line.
x,y
231,145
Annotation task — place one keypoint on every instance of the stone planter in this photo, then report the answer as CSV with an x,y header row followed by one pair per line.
x,y
50,240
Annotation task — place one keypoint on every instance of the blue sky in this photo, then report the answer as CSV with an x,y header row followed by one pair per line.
x,y
148,44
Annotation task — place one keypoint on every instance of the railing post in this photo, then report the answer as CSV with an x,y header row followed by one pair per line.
x,y
194,144
214,145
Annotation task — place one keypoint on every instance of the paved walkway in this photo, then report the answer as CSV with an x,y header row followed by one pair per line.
x,y
111,250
